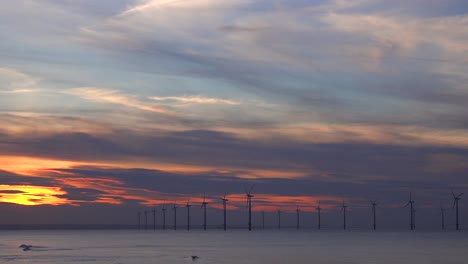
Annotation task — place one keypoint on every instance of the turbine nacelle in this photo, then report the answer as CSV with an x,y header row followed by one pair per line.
x,y
224,199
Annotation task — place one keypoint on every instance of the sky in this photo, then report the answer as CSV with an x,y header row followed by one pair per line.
x,y
116,106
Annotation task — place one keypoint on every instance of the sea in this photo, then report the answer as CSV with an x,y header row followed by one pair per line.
x,y
233,247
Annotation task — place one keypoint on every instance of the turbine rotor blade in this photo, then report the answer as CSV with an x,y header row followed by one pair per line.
x,y
251,188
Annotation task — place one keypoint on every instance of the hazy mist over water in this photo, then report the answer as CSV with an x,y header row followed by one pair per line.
x,y
237,246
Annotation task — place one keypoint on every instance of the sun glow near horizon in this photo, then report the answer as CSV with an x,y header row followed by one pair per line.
x,y
32,195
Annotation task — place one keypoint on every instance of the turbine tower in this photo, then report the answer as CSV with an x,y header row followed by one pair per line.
x,y
139,220
343,209
249,205
203,205
175,215
319,209
456,198
297,217
263,219
188,205
225,200
411,204
279,218
442,214
146,220
164,217
374,205
154,219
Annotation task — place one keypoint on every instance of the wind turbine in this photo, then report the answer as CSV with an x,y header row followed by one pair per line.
x,y
343,209
139,220
188,205
411,204
175,215
225,200
164,217
279,218
154,219
249,205
374,205
456,198
297,217
146,220
319,209
442,214
203,205
263,219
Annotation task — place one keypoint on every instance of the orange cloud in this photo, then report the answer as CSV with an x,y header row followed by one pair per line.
x,y
32,166
40,167
333,133
268,202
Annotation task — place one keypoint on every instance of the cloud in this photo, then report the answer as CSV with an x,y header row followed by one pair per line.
x,y
103,95
14,81
195,100
278,64
218,153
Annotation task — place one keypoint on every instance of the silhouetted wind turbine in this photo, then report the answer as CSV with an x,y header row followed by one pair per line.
x,y
188,205
456,198
263,219
374,204
249,205
175,215
319,209
203,205
139,220
154,219
297,217
442,214
164,217
146,220
343,209
279,218
411,204
225,200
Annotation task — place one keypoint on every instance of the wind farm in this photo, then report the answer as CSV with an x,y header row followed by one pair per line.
x,y
311,210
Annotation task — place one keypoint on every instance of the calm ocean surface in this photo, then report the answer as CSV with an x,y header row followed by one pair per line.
x,y
237,246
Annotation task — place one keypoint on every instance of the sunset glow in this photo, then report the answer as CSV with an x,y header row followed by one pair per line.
x,y
32,195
